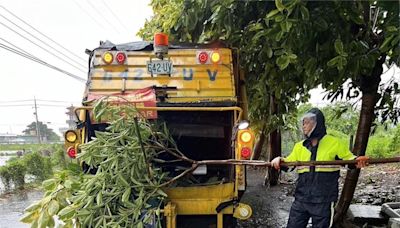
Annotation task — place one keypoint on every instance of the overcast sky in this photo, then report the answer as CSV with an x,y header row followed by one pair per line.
x,y
74,24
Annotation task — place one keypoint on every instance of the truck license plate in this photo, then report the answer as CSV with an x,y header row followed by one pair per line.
x,y
159,67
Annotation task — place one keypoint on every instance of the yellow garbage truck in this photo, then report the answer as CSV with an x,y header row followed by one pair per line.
x,y
198,91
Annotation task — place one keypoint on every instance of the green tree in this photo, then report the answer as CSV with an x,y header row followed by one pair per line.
x,y
44,131
342,117
291,46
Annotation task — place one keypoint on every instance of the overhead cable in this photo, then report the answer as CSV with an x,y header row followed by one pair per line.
x,y
115,16
104,18
41,47
43,42
26,23
35,59
88,14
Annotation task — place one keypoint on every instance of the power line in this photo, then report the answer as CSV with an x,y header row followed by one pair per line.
x,y
41,47
19,49
98,23
43,42
42,33
30,100
16,105
35,59
115,16
69,102
15,101
30,105
104,18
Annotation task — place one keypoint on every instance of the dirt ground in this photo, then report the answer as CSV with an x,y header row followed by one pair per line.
x,y
377,184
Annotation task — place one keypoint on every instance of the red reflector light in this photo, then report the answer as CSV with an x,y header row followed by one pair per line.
x,y
160,39
121,57
245,153
71,152
203,57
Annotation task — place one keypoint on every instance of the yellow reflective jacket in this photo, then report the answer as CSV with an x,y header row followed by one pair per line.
x,y
329,149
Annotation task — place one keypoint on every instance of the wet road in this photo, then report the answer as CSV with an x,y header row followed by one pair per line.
x,y
270,205
12,207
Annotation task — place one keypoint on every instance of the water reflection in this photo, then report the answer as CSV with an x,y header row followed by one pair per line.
x,y
12,207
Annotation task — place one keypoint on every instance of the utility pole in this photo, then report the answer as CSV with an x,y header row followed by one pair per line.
x,y
71,117
37,123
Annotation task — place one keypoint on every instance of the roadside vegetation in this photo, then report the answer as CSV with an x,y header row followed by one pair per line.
x,y
32,163
341,120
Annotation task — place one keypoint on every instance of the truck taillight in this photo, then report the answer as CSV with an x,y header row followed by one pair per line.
x,y
71,152
245,153
215,57
108,57
203,57
70,136
245,140
245,137
121,57
208,57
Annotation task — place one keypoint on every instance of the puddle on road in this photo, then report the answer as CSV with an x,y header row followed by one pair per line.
x,y
12,205
12,208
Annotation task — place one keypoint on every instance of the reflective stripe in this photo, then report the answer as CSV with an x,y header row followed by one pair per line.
x,y
328,166
302,169
319,168
332,213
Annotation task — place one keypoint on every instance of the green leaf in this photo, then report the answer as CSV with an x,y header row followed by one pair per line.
x,y
43,219
68,183
99,198
292,56
304,13
358,19
279,52
126,195
29,217
53,207
279,5
272,13
49,184
279,18
66,212
256,27
333,62
269,51
321,24
161,192
283,62
339,46
33,206
385,45
391,29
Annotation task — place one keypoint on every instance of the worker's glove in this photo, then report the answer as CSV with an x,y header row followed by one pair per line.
x,y
276,163
362,161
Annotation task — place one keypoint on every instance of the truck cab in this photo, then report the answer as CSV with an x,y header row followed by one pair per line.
x,y
197,90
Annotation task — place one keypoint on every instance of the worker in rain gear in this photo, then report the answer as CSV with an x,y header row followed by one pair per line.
x,y
317,187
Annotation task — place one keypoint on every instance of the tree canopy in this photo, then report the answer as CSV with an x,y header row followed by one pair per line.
x,y
45,132
289,47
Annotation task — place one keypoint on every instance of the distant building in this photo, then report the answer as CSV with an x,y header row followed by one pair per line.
x,y
71,117
6,138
